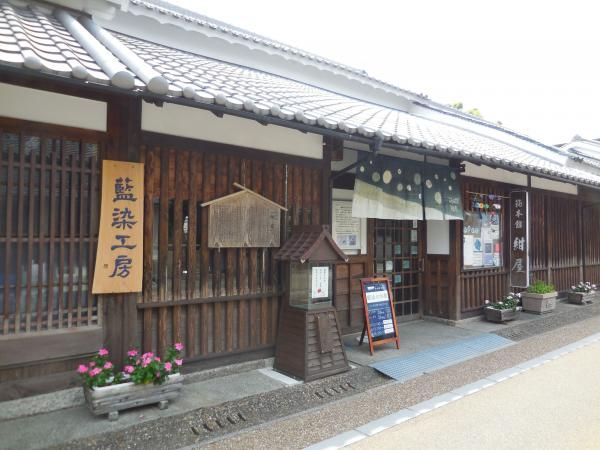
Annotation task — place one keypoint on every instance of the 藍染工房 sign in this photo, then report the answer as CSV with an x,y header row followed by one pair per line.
x,y
120,240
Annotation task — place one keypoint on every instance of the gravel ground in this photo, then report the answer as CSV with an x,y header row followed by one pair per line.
x,y
206,423
313,426
298,416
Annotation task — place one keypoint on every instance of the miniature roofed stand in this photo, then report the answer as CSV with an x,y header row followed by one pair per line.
x,y
309,343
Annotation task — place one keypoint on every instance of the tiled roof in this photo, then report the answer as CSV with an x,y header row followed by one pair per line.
x,y
584,150
187,16
32,38
61,44
306,241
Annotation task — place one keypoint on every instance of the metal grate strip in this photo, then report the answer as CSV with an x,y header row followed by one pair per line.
x,y
411,366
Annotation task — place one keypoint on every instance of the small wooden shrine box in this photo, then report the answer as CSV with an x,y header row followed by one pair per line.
x,y
309,343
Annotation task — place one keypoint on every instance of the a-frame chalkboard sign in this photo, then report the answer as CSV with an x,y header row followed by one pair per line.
x,y
380,318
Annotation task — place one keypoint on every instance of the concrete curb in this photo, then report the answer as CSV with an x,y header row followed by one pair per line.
x,y
383,423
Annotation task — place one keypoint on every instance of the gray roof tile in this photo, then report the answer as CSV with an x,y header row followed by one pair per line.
x,y
67,47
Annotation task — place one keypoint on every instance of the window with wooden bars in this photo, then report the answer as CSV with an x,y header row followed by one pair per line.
x,y
48,229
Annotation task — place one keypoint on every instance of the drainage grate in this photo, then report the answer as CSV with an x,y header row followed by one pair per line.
x,y
333,390
218,423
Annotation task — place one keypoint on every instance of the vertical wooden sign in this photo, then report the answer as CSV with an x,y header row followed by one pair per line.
x,y
120,241
519,239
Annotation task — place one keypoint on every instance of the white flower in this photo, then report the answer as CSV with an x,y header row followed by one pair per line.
x,y
487,302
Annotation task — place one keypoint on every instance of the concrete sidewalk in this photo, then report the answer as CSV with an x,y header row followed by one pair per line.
x,y
317,425
32,422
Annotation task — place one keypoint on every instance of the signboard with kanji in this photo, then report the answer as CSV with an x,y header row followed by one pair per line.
x,y
120,240
519,239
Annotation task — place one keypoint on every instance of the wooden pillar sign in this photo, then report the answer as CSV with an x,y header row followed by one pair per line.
x,y
380,319
519,239
120,241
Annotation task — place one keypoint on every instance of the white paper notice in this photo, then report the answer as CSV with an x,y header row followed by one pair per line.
x,y
468,250
320,282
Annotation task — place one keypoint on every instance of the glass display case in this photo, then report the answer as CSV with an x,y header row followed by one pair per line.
x,y
310,285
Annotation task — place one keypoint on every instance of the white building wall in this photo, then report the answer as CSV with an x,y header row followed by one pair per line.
x,y
183,121
48,107
551,185
487,173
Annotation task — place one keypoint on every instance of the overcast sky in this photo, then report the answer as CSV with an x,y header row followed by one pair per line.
x,y
534,65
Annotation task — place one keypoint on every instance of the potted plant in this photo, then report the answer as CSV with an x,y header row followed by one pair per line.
x,y
582,293
504,310
540,297
145,379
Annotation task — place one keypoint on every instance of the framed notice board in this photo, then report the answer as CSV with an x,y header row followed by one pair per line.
x,y
380,319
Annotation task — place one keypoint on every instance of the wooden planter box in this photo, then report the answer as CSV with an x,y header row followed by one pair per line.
x,y
581,298
501,315
539,303
112,399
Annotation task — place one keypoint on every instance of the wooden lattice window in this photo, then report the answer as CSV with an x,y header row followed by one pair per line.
x,y
48,228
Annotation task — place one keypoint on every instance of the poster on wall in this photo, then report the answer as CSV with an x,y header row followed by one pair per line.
x,y
120,240
482,242
346,229
519,239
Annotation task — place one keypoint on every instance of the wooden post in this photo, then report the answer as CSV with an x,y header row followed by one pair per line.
x,y
454,266
326,186
547,205
123,132
580,241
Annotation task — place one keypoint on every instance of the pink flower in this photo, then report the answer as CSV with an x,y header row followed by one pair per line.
x,y
108,365
178,346
103,352
179,362
133,352
157,374
146,361
82,368
156,358
149,355
168,366
128,369
95,372
92,364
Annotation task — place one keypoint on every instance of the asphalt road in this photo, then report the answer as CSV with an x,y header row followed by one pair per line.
x,y
554,406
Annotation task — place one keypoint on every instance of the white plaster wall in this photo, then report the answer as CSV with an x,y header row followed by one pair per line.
x,y
487,173
48,107
438,237
195,123
551,185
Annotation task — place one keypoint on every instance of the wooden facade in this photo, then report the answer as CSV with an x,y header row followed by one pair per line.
x,y
224,303
217,301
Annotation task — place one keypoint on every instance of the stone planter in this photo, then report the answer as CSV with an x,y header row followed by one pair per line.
x,y
539,303
581,298
501,315
112,399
